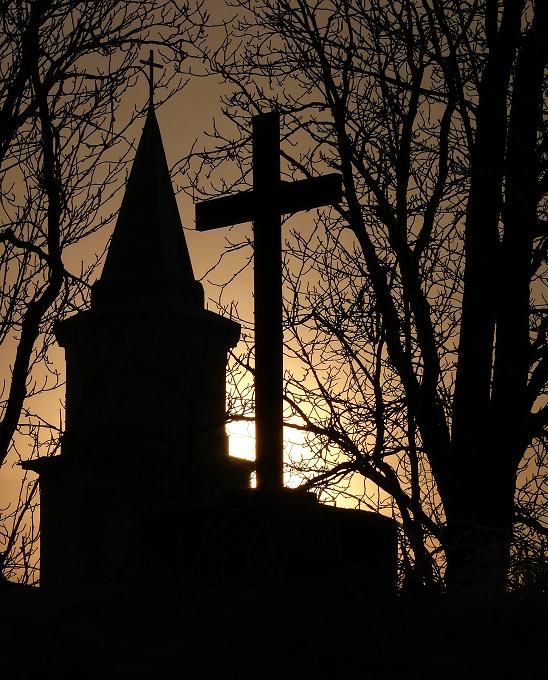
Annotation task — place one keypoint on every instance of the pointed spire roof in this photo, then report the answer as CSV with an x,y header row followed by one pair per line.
x,y
148,264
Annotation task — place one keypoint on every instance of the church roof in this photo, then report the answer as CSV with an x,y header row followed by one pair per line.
x,y
148,264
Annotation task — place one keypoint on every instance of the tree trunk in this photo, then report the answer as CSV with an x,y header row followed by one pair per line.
x,y
490,407
478,534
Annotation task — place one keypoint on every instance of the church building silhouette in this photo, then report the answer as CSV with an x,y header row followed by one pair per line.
x,y
144,481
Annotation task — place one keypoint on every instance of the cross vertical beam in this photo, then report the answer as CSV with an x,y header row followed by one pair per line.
x,y
267,278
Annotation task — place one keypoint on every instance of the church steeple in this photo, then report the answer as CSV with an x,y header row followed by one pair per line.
x,y
145,395
148,264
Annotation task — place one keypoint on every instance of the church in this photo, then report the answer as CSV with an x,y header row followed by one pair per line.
x,y
144,479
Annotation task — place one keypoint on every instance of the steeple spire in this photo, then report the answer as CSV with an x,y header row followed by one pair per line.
x,y
148,264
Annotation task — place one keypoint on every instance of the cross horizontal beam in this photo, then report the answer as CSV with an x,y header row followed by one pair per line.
x,y
305,194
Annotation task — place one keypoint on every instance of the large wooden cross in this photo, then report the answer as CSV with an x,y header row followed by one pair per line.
x,y
264,205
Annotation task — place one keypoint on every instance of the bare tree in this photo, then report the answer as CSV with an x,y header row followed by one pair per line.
x,y
415,313
67,71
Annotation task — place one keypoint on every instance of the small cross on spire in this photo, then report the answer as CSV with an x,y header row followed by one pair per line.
x,y
151,66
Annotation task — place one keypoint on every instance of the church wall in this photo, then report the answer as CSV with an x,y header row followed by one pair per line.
x,y
144,438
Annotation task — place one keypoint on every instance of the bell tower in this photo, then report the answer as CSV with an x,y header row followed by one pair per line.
x,y
145,397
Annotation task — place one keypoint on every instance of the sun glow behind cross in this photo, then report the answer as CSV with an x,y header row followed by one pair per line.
x,y
352,492
241,437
